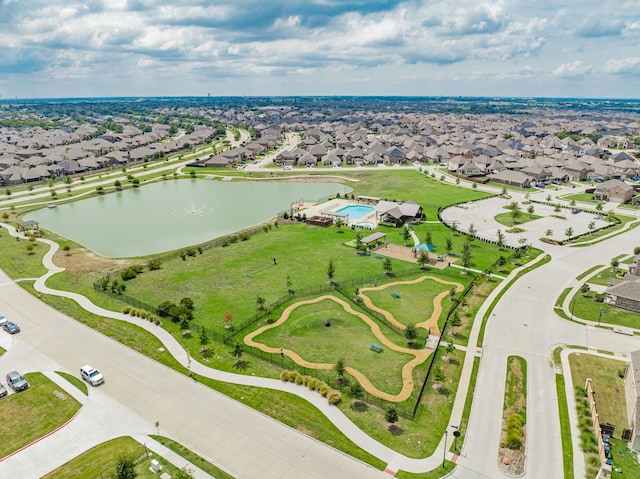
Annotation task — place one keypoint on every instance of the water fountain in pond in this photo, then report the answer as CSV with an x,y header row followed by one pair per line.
x,y
193,210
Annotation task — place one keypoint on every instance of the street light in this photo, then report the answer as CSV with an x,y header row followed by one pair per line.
x,y
602,311
444,453
573,304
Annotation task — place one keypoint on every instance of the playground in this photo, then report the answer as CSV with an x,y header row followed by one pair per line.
x,y
315,333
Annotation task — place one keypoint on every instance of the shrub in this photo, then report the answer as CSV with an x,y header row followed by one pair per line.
x,y
284,375
126,310
323,390
299,379
334,397
128,274
513,440
312,384
293,376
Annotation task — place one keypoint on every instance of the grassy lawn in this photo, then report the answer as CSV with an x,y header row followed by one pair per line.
x,y
437,473
418,438
31,414
100,461
506,219
415,303
462,427
565,428
469,307
605,381
583,197
16,261
515,394
305,332
588,272
602,278
586,308
77,382
624,459
192,457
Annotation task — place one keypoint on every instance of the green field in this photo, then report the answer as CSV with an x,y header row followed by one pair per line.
x,y
349,337
607,384
29,415
100,461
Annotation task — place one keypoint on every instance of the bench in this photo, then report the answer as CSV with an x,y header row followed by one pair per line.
x,y
396,295
377,348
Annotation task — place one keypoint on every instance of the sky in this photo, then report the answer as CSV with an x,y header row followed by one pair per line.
x,y
532,48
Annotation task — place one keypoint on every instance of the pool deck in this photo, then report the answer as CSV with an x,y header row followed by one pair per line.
x,y
339,203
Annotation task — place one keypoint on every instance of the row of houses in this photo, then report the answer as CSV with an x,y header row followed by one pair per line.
x,y
23,161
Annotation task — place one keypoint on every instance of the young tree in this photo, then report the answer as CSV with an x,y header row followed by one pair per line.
x,y
614,264
531,209
516,211
548,233
449,246
356,391
503,192
457,181
184,473
599,206
584,289
500,240
204,339
226,319
411,333
260,303
557,208
391,415
591,225
406,235
387,266
452,293
569,232
438,374
238,351
117,185
289,284
339,368
428,239
359,241
548,197
423,259
331,271
472,231
466,255
125,468
450,348
455,323
474,185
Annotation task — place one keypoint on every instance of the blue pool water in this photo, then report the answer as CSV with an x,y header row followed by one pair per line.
x,y
356,211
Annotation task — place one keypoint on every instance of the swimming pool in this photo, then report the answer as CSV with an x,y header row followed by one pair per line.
x,y
356,211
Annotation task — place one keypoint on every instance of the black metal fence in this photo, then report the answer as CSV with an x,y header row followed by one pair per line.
x,y
434,356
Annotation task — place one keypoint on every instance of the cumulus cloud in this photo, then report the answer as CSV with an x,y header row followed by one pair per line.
x,y
201,39
573,69
629,65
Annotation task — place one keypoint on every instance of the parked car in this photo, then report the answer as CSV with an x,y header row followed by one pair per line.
x,y
3,391
575,211
91,375
3,319
11,328
16,381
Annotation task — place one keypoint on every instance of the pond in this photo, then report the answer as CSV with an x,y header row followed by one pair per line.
x,y
174,214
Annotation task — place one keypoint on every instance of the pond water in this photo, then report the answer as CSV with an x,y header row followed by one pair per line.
x,y
174,214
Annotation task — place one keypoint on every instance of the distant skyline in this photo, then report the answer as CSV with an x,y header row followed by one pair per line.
x,y
562,48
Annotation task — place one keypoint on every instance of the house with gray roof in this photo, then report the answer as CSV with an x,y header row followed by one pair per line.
x,y
613,190
632,398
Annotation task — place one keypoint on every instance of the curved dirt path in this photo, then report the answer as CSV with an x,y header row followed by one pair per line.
x,y
420,355
431,324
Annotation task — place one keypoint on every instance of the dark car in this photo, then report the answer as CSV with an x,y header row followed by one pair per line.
x,y
16,381
11,328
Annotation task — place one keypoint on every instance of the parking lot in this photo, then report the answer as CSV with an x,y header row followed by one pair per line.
x,y
481,214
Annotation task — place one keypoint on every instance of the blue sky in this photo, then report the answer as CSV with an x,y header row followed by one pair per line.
x,y
562,48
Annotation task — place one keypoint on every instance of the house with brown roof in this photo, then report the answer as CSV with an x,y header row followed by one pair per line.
x,y
512,178
632,397
613,190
